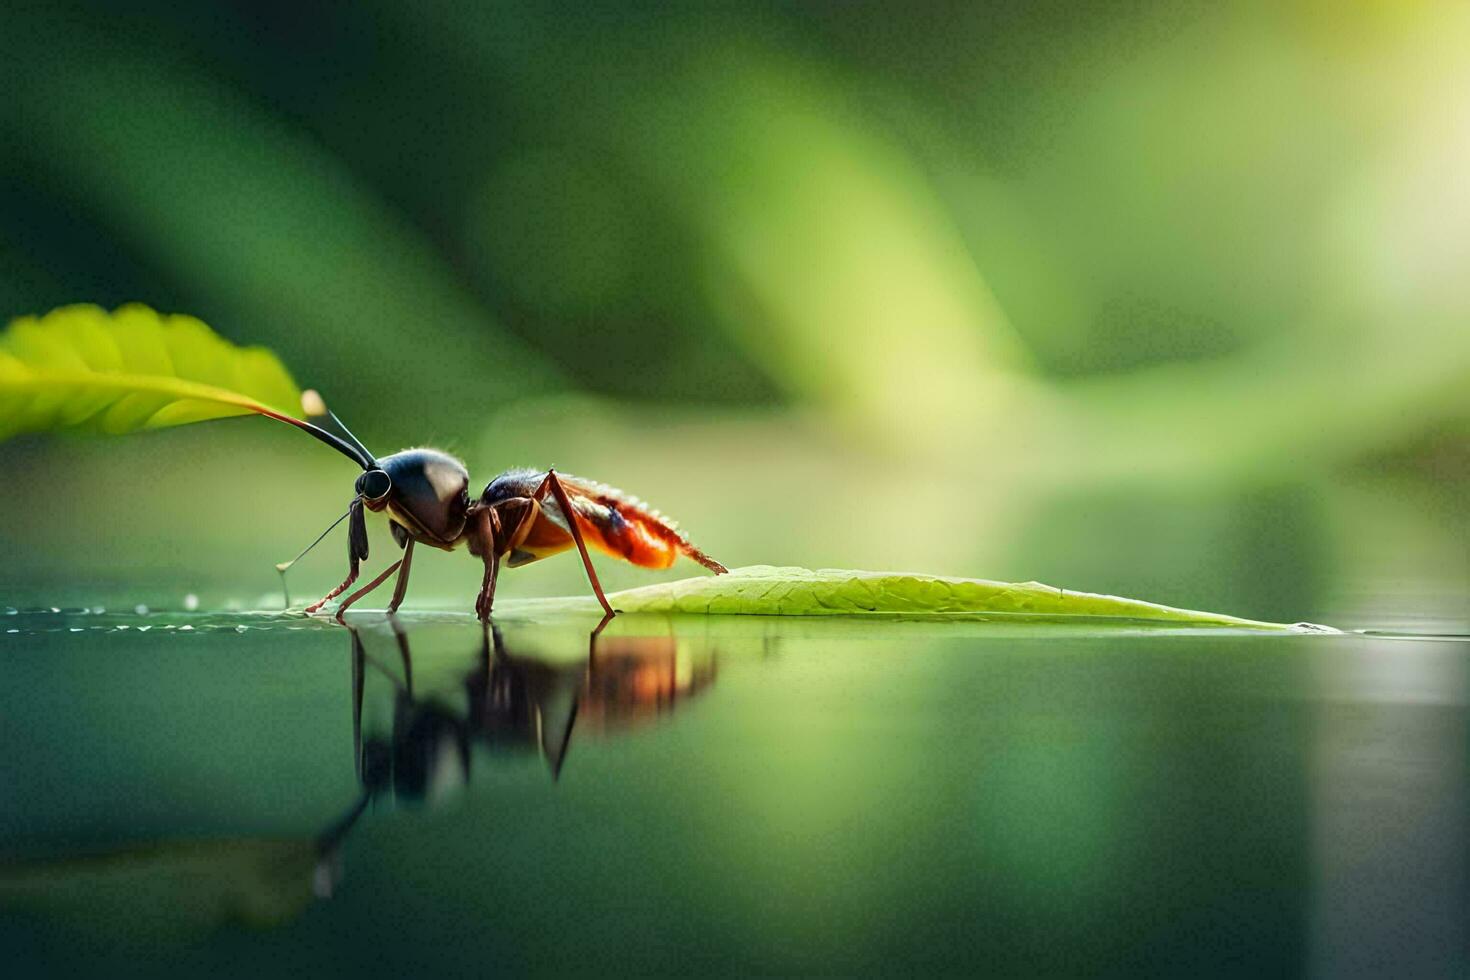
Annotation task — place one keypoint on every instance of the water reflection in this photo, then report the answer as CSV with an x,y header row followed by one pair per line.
x,y
950,798
514,698
514,703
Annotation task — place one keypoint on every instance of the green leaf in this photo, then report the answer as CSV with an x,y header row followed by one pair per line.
x,y
80,367
766,590
171,888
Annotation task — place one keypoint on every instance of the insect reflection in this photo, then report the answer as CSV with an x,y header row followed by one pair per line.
x,y
503,702
509,703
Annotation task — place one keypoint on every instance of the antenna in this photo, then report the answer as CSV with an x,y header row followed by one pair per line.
x,y
315,406
348,433
356,453
282,567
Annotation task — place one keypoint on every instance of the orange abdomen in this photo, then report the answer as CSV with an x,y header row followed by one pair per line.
x,y
610,520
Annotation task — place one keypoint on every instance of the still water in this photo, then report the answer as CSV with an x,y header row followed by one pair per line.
x,y
242,795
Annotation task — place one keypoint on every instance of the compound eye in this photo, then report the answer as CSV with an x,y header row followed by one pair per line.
x,y
374,485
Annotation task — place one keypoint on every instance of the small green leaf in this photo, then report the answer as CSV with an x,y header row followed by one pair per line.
x,y
80,367
171,888
766,590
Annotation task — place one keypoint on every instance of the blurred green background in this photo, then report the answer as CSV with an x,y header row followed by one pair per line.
x,y
1163,300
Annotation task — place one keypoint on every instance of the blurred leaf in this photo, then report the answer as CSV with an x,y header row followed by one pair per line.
x,y
819,226
253,221
174,887
81,367
817,241
768,590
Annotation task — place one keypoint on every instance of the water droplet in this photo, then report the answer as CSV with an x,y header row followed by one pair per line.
x,y
56,609
75,629
241,629
140,609
191,602
12,631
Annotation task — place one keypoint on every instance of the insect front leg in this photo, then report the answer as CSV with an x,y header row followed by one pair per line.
x,y
357,552
383,577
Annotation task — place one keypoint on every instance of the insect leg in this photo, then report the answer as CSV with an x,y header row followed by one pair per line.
x,y
484,541
351,577
402,586
356,552
554,485
367,588
486,599
501,528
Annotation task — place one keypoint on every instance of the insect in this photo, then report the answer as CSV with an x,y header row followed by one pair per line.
x,y
520,517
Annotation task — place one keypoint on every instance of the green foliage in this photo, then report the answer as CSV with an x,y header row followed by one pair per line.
x,y
767,590
170,888
81,367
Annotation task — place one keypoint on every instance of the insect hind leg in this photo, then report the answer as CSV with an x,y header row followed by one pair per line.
x,y
552,484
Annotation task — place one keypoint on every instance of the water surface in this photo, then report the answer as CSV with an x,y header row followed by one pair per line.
x,y
246,793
